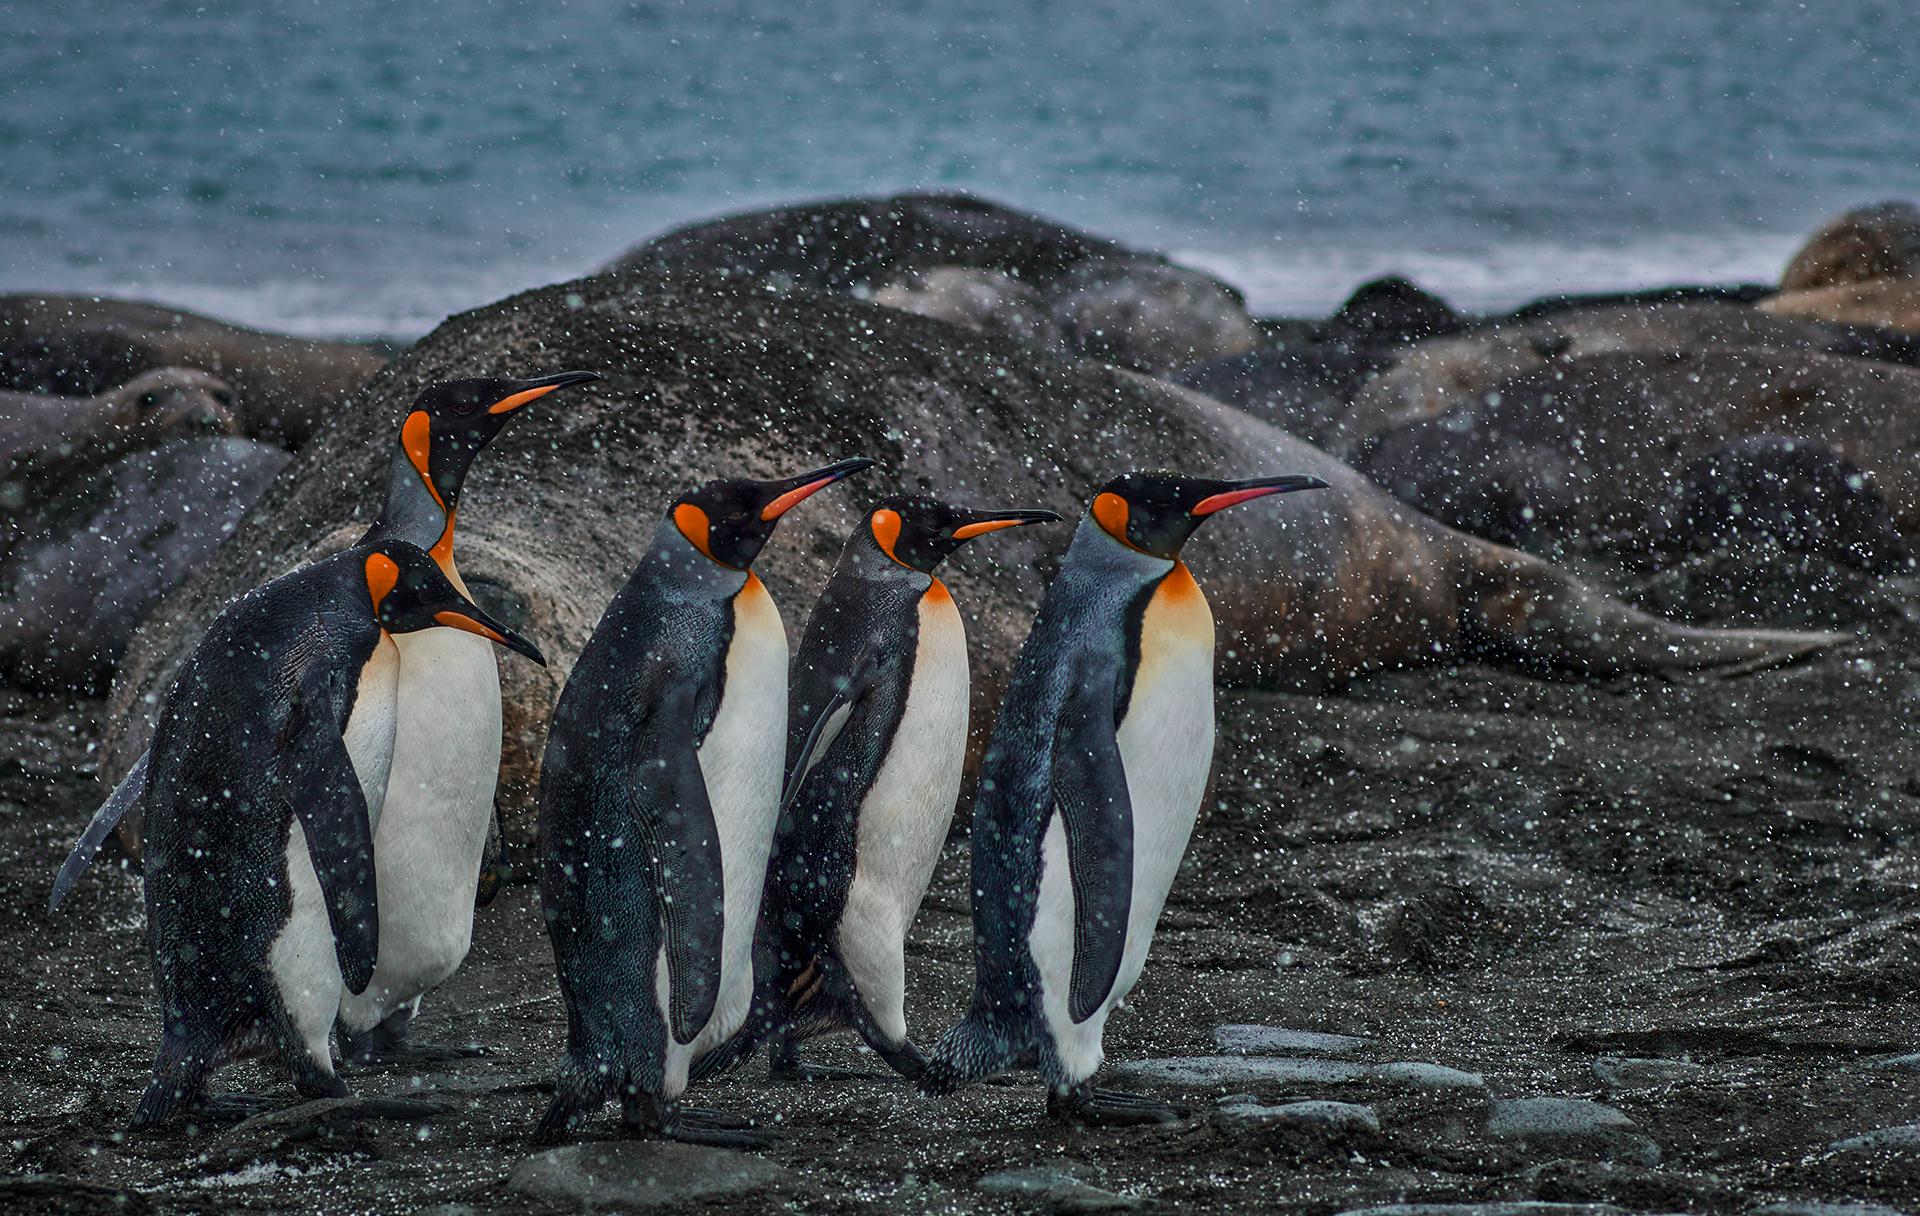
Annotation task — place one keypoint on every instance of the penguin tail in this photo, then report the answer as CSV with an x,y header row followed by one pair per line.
x,y
180,1071
971,1049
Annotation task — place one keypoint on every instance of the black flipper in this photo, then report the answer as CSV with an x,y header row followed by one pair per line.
x,y
1090,792
822,731
332,810
132,788
676,823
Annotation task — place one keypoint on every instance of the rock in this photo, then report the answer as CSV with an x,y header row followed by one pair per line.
x,y
284,388
1391,311
1274,1041
1881,241
1890,303
1625,1072
1902,1139
1490,1209
1221,1071
1152,318
1327,1116
1906,1063
1056,1188
90,564
640,1174
1737,584
1572,1127
1815,1208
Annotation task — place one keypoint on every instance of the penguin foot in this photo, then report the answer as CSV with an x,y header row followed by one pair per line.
x,y
1085,1106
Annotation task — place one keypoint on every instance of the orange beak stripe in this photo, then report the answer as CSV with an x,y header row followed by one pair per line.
x,y
793,498
969,531
459,620
1232,498
382,575
507,405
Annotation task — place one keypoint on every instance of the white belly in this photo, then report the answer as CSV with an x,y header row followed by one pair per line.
x,y
1166,750
433,830
903,820
305,968
741,761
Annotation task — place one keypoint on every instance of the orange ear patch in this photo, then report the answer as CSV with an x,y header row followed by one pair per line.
x,y
886,531
1110,512
695,526
442,551
416,438
382,575
969,531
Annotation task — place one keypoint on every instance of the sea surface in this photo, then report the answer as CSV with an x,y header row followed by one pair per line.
x,y
357,168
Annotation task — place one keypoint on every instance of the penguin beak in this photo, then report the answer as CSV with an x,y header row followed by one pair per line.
x,y
1003,519
473,619
799,489
1238,492
525,391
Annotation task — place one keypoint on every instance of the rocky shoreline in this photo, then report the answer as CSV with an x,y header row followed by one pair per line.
x,y
1451,938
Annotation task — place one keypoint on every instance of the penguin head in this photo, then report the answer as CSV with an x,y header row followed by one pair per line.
x,y
1156,512
920,532
409,593
730,519
452,420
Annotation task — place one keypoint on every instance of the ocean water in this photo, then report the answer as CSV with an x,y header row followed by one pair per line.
x,y
346,167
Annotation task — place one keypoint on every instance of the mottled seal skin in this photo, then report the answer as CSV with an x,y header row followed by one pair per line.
x,y
80,345
709,376
1151,318
1518,494
1621,425
985,301
47,441
1795,493
91,563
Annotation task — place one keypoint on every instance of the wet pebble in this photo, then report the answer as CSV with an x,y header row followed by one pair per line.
x,y
640,1174
1572,1127
1627,1072
1216,1071
1329,1116
1250,1040
1055,1188
1902,1139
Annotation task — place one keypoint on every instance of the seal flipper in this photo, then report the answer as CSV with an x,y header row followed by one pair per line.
x,y
1090,795
132,788
683,847
326,796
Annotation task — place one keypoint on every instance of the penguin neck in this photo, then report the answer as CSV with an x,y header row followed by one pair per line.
x,y
1095,554
864,558
674,562
414,513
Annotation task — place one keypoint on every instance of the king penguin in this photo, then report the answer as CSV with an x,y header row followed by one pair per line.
x,y
659,789
1088,793
446,750
265,783
876,736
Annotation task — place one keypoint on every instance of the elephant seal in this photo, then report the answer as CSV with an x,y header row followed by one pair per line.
x,y
1771,489
45,440
1620,425
1879,241
1888,303
88,565
985,301
81,345
706,376
1136,309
